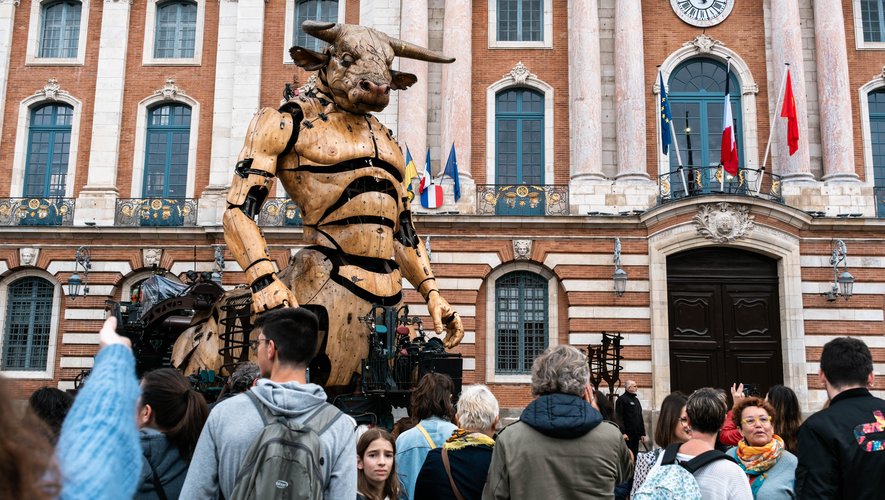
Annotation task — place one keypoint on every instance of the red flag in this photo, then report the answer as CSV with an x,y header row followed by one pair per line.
x,y
729,155
789,112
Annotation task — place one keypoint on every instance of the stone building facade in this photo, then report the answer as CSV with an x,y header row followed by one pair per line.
x,y
553,109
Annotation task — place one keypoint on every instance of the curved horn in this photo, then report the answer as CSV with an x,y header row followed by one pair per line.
x,y
411,51
326,32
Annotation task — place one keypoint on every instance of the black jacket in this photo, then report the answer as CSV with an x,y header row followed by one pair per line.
x,y
629,411
841,449
470,466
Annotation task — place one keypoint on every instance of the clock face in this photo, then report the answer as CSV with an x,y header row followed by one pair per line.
x,y
702,13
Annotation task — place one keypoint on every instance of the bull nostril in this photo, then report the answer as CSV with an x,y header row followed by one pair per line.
x,y
364,85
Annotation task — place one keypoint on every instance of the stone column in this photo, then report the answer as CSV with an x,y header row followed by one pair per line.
x,y
247,71
97,200
585,92
834,92
786,47
384,16
212,202
414,102
457,98
630,92
7,17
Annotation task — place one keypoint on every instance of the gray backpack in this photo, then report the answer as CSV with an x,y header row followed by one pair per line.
x,y
286,458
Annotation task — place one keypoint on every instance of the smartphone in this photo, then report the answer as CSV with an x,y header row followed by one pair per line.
x,y
114,309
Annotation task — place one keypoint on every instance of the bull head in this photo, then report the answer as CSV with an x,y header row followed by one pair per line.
x,y
356,64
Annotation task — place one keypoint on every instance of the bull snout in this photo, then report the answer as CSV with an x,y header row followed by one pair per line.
x,y
373,88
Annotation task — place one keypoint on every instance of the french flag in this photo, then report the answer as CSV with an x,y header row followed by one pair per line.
x,y
729,156
432,196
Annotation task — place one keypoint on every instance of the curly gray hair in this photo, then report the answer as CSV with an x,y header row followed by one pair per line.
x,y
242,378
560,369
477,408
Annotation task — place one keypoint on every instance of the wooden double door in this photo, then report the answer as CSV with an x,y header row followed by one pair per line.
x,y
724,320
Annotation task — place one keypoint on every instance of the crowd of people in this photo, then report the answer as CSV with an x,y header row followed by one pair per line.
x,y
273,435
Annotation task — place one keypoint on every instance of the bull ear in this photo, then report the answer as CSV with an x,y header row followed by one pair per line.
x,y
307,59
400,80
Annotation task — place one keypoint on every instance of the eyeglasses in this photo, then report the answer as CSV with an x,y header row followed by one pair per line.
x,y
752,420
253,344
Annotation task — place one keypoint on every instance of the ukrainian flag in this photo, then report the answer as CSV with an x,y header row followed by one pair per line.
x,y
411,173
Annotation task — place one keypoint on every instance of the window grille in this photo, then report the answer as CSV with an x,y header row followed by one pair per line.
x,y
28,323
521,321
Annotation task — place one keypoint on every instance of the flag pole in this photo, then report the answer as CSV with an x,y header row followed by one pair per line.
x,y
679,160
771,127
722,166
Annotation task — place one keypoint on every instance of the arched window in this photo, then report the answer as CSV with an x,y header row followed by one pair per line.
x,y
60,29
316,10
26,335
696,94
166,151
521,321
520,20
49,143
876,102
176,30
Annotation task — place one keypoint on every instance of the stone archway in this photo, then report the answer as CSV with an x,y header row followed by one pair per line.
x,y
770,241
724,324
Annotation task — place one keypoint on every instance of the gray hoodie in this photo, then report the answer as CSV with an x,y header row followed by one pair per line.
x,y
233,425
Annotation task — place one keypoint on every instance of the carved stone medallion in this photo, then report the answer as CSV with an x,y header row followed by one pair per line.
x,y
28,256
150,257
723,222
522,249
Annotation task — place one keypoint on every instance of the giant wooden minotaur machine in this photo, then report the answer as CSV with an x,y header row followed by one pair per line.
x,y
345,171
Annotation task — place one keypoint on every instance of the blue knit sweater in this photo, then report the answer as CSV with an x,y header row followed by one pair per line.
x,y
98,452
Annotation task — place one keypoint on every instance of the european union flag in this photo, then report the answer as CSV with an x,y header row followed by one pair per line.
x,y
666,118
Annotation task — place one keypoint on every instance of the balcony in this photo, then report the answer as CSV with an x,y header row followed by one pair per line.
x,y
880,201
279,212
522,200
36,212
698,181
156,212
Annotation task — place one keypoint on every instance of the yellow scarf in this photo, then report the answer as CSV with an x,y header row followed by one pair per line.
x,y
757,459
462,439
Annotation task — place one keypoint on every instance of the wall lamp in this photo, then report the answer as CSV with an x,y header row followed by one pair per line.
x,y
81,261
620,276
843,284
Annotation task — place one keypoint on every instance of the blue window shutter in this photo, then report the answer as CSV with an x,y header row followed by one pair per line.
x,y
521,321
28,325
49,141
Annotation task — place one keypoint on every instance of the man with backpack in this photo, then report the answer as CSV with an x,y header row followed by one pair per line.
x,y
695,469
280,439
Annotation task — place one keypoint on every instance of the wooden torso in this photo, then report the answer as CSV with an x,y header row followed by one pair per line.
x,y
345,173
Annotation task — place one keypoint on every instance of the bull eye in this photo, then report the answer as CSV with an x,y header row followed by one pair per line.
x,y
347,60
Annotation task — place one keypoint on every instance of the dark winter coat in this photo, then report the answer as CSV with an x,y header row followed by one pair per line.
x,y
557,435
469,466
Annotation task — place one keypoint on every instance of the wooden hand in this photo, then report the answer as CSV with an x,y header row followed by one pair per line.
x,y
445,319
274,295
